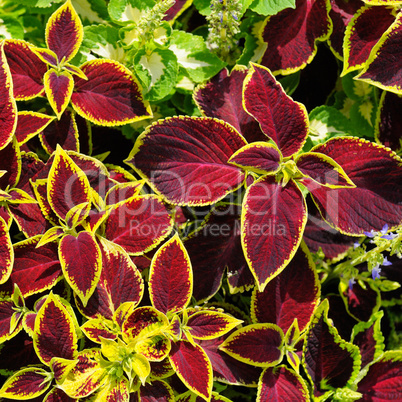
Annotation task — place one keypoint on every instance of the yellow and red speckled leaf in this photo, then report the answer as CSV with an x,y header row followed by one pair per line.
x,y
99,327
210,324
362,33
171,277
273,221
30,124
86,377
120,282
336,369
265,99
67,184
119,102
193,367
26,384
185,159
294,293
282,384
383,65
259,157
115,390
155,348
54,333
26,68
143,322
258,344
6,252
221,97
323,170
81,261
306,24
374,201
64,32
63,131
139,224
8,107
58,87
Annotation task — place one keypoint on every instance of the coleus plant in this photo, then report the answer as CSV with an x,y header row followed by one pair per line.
x,y
112,282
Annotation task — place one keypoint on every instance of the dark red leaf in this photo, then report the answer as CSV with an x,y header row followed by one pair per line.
x,y
306,24
294,293
185,158
222,98
27,69
377,174
265,99
273,221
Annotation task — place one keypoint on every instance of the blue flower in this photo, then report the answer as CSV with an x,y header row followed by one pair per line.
x,y
375,273
351,283
386,263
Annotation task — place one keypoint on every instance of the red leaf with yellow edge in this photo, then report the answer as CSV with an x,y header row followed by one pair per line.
x,y
81,261
185,158
7,315
123,191
374,201
8,107
259,157
294,293
384,378
26,68
10,162
265,99
58,87
54,334
26,384
363,31
64,32
282,385
119,102
341,13
67,184
221,97
383,66
6,253
156,391
273,220
306,24
139,224
210,324
330,362
61,367
322,170
63,131
193,367
258,344
30,124
18,196
35,269
171,277
143,322
120,282
47,56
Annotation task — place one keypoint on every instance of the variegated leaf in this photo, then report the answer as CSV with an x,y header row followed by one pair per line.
x,y
54,333
171,277
30,124
81,261
6,252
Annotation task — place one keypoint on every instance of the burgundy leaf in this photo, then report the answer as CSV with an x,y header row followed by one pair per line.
x,y
265,99
185,158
